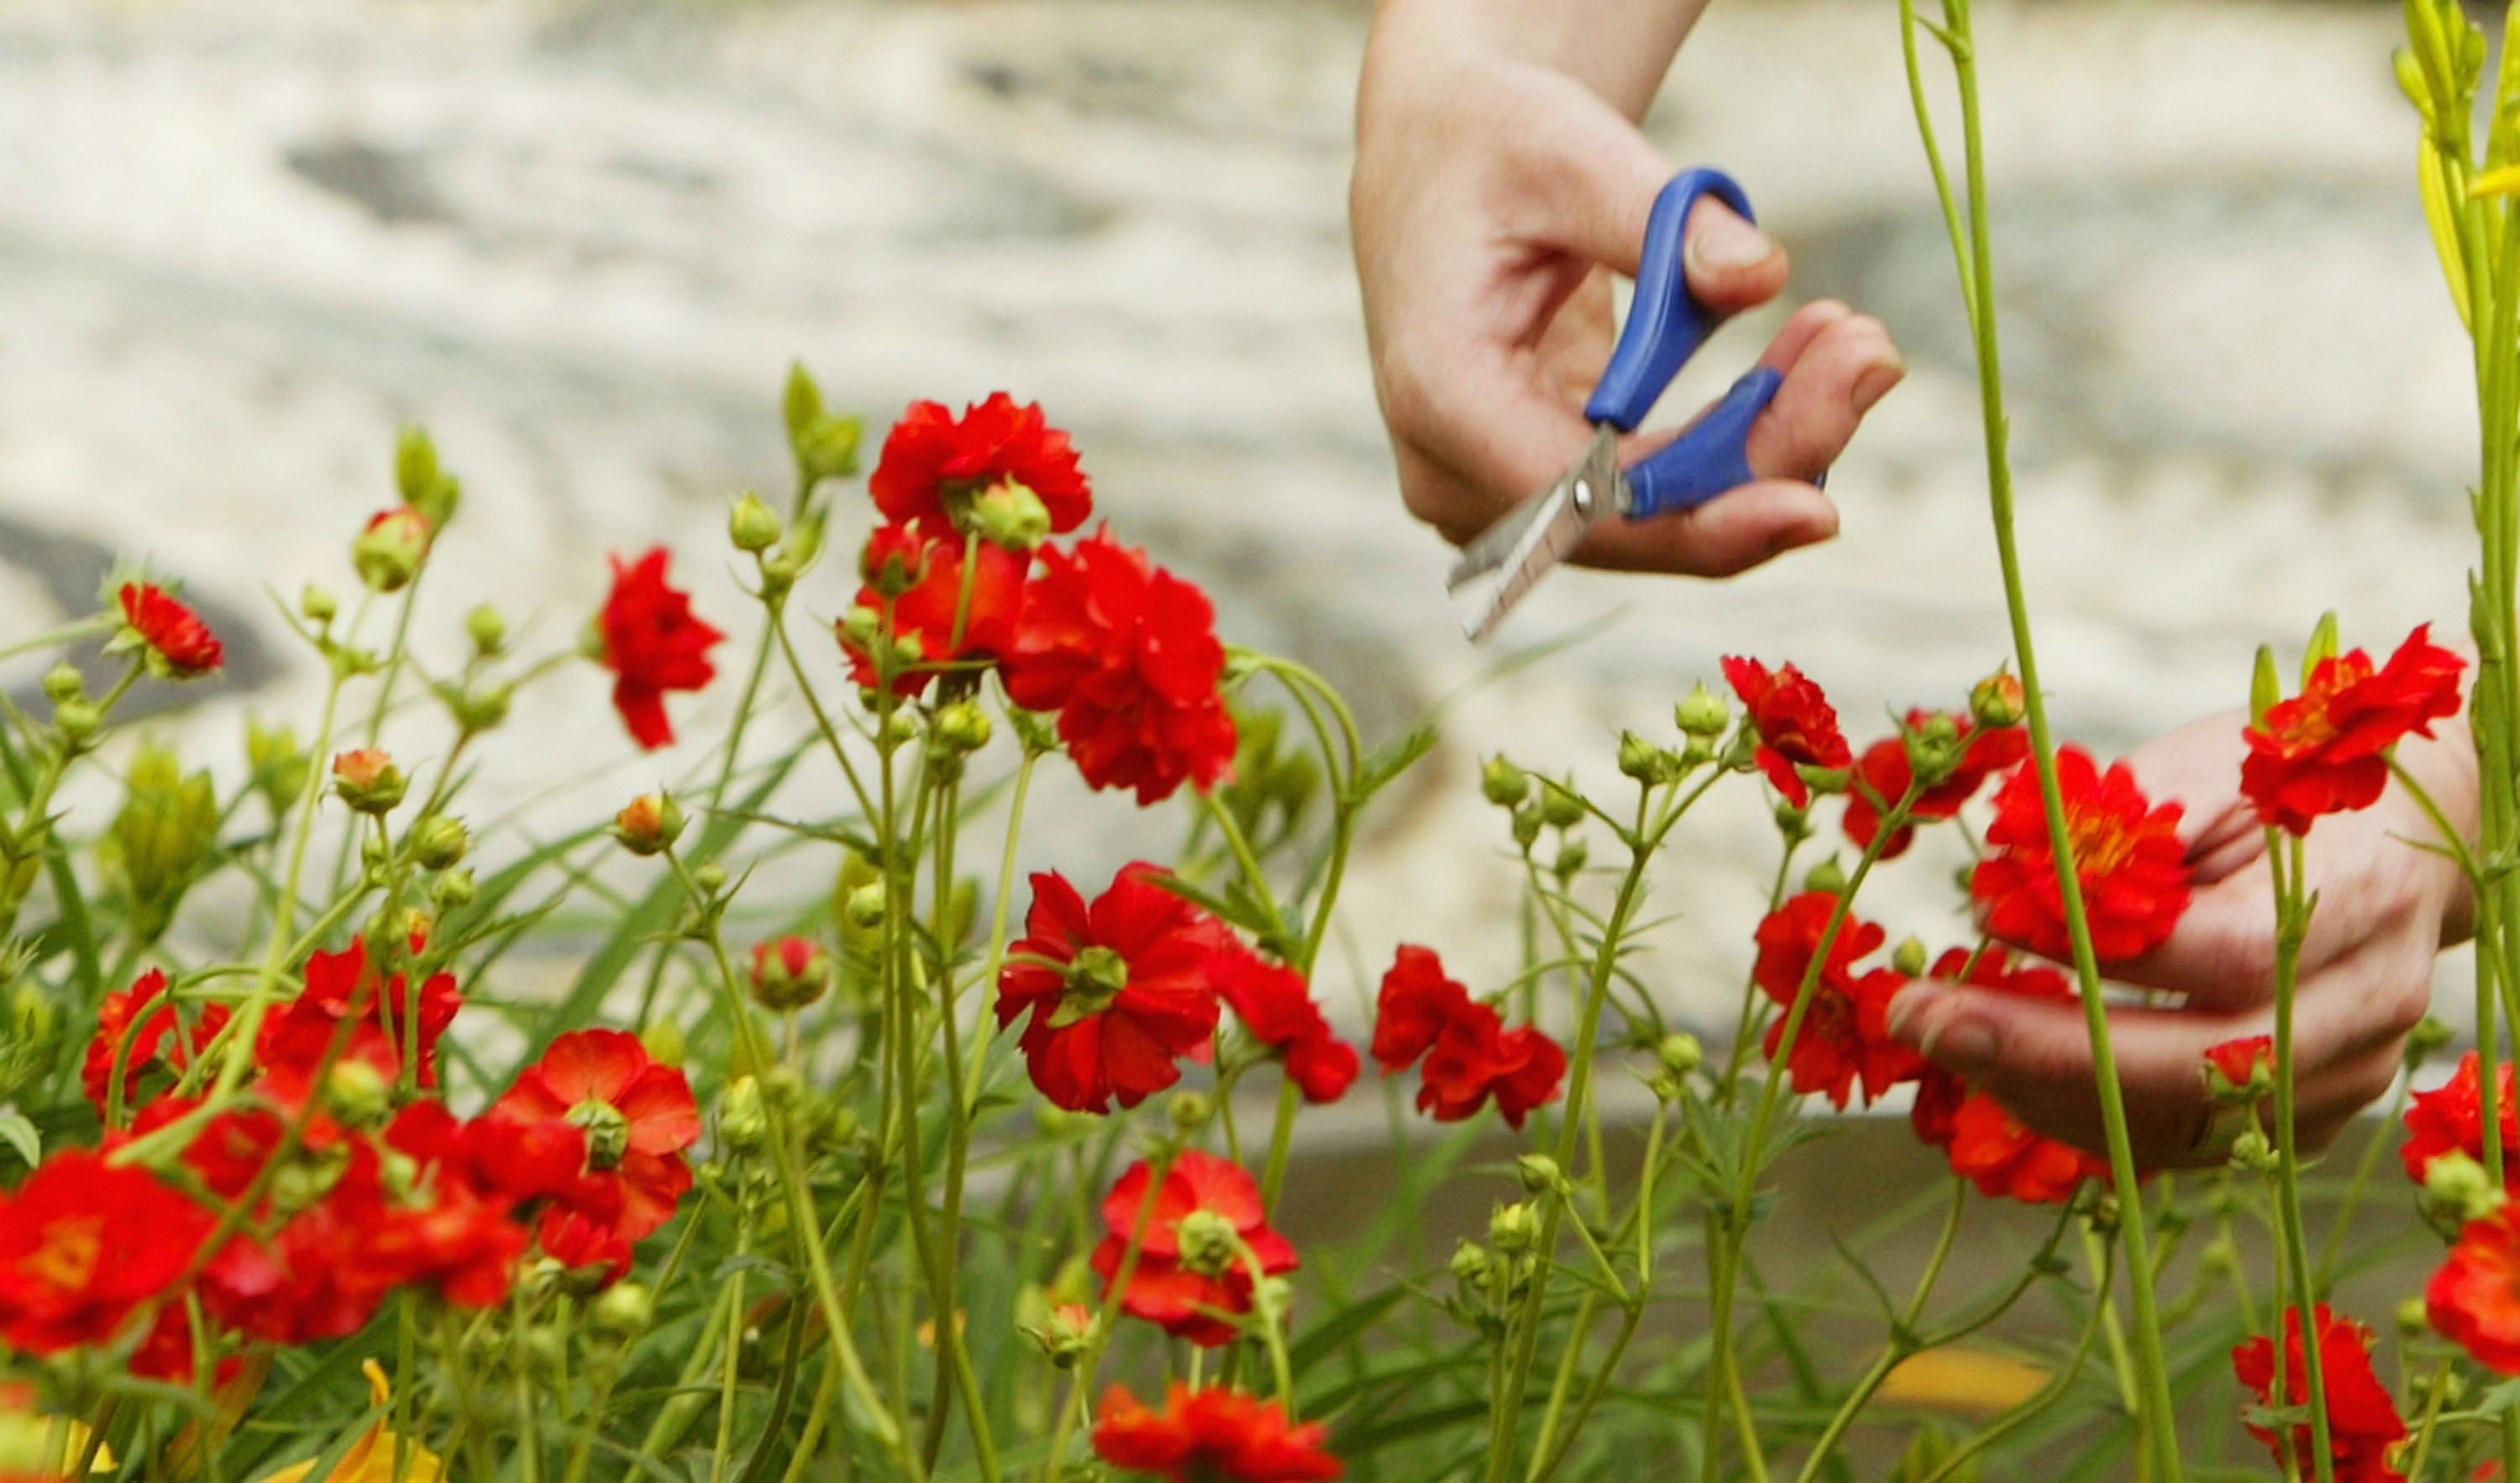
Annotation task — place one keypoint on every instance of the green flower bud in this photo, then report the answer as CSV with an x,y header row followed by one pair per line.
x,y
1540,1174
1560,805
1209,1244
1471,1265
1680,1053
1526,825
753,525
710,877
1571,859
1703,714
2252,1152
390,553
1827,875
743,1122
1009,514
1514,1228
78,722
2429,1035
649,825
623,1311
1792,822
416,470
63,684
1190,1111
167,827
2413,1321
453,890
1505,784
368,781
827,448
317,606
487,630
868,905
2458,1187
1909,957
358,1093
1996,702
1645,762
438,841
961,727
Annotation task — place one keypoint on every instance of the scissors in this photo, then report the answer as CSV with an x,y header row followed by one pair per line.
x,y
1665,327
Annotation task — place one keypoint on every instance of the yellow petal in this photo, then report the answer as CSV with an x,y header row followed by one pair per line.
x,y
2502,182
1971,1382
373,1457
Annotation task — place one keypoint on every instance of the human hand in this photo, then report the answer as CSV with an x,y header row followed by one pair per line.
x,y
2386,909
1492,198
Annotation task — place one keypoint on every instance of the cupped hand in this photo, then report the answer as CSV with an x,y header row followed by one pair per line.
x,y
1492,200
2386,908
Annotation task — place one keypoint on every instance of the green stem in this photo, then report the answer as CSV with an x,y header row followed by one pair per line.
x,y
2292,916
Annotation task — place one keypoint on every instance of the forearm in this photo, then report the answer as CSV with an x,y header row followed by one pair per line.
x,y
1620,49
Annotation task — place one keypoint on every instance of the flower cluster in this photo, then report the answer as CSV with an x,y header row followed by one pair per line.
x,y
1194,1251
1469,1056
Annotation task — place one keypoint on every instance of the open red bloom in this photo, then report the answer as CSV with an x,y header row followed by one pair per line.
x,y
2450,1118
2127,856
1126,652
1276,1006
181,640
2326,749
2362,1425
1845,1035
931,459
653,643
639,1116
1193,1274
344,986
144,1038
1884,772
2474,1298
1470,1055
83,1244
1212,1436
1795,722
933,613
1118,991
1985,1144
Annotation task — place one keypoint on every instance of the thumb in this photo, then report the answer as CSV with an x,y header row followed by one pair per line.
x,y
1605,188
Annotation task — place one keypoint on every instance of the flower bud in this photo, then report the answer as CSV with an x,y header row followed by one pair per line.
x,y
453,890
649,825
1503,784
1996,702
280,768
317,606
357,1093
1064,1334
2458,1187
389,554
1540,1174
1514,1228
78,722
63,684
1010,515
1909,957
1703,714
438,841
1792,822
663,1040
2413,1321
623,1311
1526,825
2429,1035
1680,1053
2252,1152
368,781
1560,805
1471,1265
1208,1244
1827,875
827,448
1190,1111
790,972
866,906
1934,750
1571,859
479,710
1645,762
798,554
486,629
743,1122
961,727
710,877
753,525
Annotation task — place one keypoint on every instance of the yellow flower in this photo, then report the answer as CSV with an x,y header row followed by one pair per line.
x,y
373,1459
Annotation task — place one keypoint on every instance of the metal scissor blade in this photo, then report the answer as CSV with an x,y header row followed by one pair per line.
x,y
1520,549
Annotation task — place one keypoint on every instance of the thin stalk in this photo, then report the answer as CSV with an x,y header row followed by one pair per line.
x,y
2284,857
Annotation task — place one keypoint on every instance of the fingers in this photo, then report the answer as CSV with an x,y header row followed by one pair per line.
x,y
1731,264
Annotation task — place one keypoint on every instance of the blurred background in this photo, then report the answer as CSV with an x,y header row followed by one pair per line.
x,y
242,241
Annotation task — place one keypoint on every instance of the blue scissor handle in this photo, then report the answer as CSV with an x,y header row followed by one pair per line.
x,y
1711,457
1665,325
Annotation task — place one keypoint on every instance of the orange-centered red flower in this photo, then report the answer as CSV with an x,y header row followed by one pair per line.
x,y
652,644
2362,1425
183,644
1845,1035
639,1116
1796,724
1127,653
2127,856
935,462
83,1245
1118,991
2326,750
1197,1251
1212,1436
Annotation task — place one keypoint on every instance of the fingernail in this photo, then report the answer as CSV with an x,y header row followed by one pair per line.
x,y
1876,384
1728,241
1962,1043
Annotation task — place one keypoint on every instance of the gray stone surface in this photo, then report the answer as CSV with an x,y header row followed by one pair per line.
x,y
240,240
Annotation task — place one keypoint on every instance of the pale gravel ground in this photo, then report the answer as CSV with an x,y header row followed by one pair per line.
x,y
582,241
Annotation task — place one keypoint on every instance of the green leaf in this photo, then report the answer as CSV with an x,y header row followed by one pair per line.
x,y
2323,646
20,1136
1387,762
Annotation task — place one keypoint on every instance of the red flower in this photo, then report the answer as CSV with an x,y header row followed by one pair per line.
x,y
2361,1422
2127,855
932,460
1795,723
933,613
2238,1062
2450,1117
1885,773
1126,652
1273,1003
178,637
1985,1144
2326,750
1470,1055
652,644
1195,1258
639,1116
1845,1035
2474,1298
343,986
84,1244
1212,1436
143,1038
1118,991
